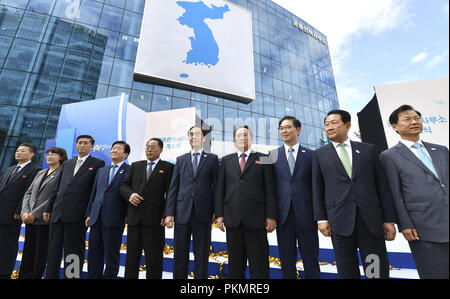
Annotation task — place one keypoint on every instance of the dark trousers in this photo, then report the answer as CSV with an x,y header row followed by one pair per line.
x,y
9,236
71,238
151,239
431,259
35,249
201,241
248,244
289,236
104,248
372,250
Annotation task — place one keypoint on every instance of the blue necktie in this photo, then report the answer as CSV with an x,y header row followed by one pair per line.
x,y
425,159
112,172
291,160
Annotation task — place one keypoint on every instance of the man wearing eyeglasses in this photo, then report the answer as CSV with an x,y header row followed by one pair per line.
x,y
296,226
417,173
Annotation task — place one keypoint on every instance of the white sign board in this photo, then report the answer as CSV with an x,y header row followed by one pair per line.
x,y
205,46
429,97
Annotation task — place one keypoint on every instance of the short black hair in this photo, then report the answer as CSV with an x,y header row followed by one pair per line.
x,y
60,151
204,132
345,116
242,127
297,123
393,118
127,148
91,139
160,142
31,146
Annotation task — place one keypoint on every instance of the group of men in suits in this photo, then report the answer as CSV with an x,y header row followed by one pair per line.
x,y
342,189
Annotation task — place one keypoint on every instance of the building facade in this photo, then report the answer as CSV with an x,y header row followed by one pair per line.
x,y
54,52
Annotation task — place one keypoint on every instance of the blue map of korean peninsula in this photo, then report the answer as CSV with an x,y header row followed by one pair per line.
x,y
204,49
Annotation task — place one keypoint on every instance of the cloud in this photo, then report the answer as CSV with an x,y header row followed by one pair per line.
x,y
438,59
419,57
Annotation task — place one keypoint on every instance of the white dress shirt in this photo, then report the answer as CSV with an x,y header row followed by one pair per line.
x,y
409,144
294,153
247,154
22,165
200,151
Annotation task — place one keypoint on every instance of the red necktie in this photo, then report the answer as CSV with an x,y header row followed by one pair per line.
x,y
243,162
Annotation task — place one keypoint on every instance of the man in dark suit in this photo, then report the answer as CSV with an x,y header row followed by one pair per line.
x,y
246,203
66,209
190,204
106,214
145,187
13,185
352,201
417,173
296,226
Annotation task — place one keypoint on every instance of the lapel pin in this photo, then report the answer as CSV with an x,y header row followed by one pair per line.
x,y
257,162
433,149
121,171
161,171
303,151
204,155
357,151
24,177
90,168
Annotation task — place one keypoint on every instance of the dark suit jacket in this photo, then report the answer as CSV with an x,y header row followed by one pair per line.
x,y
187,190
154,191
107,197
336,196
37,195
246,198
421,198
11,193
295,189
70,196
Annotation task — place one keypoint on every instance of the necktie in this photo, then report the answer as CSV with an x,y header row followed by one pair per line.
x,y
13,173
291,160
112,172
425,159
343,155
77,166
149,169
195,162
242,164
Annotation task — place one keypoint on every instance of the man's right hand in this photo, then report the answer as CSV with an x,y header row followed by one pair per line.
x,y
410,234
219,223
325,228
170,221
135,199
46,216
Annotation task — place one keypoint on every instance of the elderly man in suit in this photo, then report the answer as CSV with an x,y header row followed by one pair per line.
x,y
35,248
352,202
417,173
66,209
190,204
106,214
145,187
296,226
13,185
246,203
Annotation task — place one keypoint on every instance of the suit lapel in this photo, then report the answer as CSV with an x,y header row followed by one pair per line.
x,y
334,156
250,161
18,174
435,159
49,178
155,171
117,175
356,157
283,160
83,167
298,161
6,175
407,154
202,162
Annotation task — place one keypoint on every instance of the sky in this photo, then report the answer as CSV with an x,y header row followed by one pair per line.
x,y
377,42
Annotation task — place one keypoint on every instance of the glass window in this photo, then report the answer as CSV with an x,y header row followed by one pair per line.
x,y
75,64
178,103
30,122
289,108
118,3
163,90
15,3
10,19
257,104
58,32
136,6
106,40
131,23
215,100
269,108
127,47
278,88
99,69
67,91
49,60
141,99
22,55
143,86
161,102
267,85
201,109
90,12
33,26
181,93
8,115
279,108
39,92
67,9
5,43
89,92
199,97
122,73
215,115
43,6
111,18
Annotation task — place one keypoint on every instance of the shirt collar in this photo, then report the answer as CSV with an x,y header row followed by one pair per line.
x,y
84,158
247,153
295,147
156,161
118,164
346,142
409,143
24,164
200,151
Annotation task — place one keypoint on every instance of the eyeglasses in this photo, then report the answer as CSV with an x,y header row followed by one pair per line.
x,y
288,127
